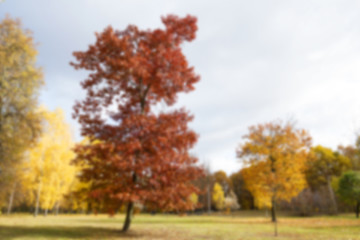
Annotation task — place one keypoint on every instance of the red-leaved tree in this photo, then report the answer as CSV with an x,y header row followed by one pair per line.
x,y
135,154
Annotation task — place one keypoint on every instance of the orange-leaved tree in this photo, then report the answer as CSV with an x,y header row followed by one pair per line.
x,y
275,156
142,155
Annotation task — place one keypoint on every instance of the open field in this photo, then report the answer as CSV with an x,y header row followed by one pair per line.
x,y
240,226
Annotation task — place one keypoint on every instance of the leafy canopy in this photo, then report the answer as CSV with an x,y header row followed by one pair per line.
x,y
324,164
142,155
20,82
218,196
48,174
275,157
349,187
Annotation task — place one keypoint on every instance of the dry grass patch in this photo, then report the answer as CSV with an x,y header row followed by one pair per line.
x,y
161,227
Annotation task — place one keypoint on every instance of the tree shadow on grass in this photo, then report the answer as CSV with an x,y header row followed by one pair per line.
x,y
60,232
198,221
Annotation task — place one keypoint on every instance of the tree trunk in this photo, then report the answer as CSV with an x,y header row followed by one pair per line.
x,y
130,207
36,212
11,199
273,215
208,199
332,196
45,212
129,213
273,210
57,208
273,197
88,208
357,209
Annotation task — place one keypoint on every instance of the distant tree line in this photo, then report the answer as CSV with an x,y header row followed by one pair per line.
x,y
283,170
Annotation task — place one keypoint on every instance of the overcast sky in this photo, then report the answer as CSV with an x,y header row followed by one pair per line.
x,y
258,60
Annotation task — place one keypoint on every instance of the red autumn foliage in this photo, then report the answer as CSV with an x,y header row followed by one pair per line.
x,y
141,155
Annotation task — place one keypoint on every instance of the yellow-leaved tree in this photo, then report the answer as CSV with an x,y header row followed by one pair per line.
x,y
79,198
275,158
49,173
20,82
218,197
194,199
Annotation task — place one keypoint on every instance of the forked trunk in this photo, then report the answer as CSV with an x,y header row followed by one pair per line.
x,y
130,207
129,213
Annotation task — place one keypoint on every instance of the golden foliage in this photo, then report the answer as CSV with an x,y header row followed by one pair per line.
x,y
275,159
49,173
20,81
218,197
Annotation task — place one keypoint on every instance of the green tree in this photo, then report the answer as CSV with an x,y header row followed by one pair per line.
x,y
20,81
323,165
349,189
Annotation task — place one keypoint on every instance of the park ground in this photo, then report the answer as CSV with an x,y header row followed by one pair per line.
x,y
239,226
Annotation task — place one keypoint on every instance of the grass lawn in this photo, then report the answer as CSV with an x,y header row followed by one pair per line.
x,y
242,225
